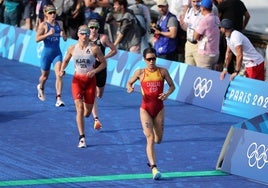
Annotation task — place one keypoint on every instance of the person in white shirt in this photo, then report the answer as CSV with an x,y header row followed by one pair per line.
x,y
189,24
244,51
179,7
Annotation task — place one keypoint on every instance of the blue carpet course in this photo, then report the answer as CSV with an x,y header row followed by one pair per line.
x,y
39,141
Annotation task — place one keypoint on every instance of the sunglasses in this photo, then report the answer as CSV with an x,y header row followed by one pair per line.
x,y
84,34
51,12
150,59
93,27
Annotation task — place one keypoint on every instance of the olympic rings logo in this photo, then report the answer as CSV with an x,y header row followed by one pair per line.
x,y
257,155
202,87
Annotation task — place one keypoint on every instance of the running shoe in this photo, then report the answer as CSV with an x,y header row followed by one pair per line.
x,y
59,103
97,124
41,94
82,143
156,174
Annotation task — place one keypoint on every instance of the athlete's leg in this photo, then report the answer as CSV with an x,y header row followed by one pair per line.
x,y
80,116
147,125
87,109
159,126
59,82
43,78
99,94
89,97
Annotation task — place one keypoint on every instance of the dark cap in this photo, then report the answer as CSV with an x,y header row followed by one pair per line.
x,y
227,24
206,4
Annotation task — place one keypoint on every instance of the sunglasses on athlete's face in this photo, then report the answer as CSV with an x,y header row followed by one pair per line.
x,y
83,33
93,27
150,59
51,12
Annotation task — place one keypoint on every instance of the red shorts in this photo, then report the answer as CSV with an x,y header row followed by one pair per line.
x,y
84,88
153,108
256,72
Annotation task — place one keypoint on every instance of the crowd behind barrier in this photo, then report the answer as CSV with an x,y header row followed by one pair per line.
x,y
242,97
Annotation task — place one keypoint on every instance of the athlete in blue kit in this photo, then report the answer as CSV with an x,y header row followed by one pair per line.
x,y
50,32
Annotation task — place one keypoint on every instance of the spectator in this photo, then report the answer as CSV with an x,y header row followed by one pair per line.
x,y
165,33
94,9
12,12
1,11
236,11
73,17
28,6
179,7
71,14
207,34
142,13
189,23
244,51
128,34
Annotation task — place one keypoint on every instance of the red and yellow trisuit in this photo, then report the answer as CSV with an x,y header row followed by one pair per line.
x,y
152,85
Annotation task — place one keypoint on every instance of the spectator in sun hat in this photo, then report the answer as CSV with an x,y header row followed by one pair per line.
x,y
165,32
245,53
207,35
162,2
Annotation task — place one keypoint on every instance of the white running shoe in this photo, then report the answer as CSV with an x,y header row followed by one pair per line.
x,y
59,103
41,94
82,143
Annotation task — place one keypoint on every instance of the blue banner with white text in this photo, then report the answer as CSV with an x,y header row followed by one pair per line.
x,y
246,97
246,155
241,97
203,87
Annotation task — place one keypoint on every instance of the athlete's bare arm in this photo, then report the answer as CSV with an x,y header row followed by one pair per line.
x,y
136,76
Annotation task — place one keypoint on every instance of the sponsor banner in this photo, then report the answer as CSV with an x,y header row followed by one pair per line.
x,y
14,41
20,45
24,48
194,85
121,66
246,97
246,155
202,87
